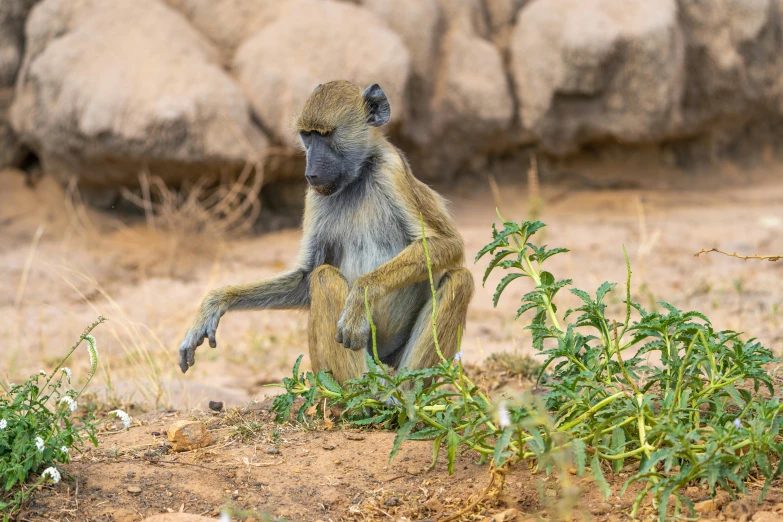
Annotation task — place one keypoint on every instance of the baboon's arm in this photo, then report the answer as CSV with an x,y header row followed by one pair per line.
x,y
288,290
408,267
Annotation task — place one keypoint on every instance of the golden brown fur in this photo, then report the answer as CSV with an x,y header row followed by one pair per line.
x,y
363,233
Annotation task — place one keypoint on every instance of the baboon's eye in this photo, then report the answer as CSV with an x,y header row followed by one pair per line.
x,y
305,134
325,133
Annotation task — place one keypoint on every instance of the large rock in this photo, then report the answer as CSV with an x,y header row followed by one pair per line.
x,y
228,23
12,17
588,70
316,42
108,88
472,107
10,150
734,58
419,23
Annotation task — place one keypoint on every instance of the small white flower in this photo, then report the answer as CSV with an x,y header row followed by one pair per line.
x,y
504,419
52,472
64,449
3,424
458,356
737,423
42,372
39,443
126,420
70,402
92,349
224,517
67,372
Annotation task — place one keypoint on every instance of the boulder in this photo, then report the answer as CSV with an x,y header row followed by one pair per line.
x,y
472,107
587,70
734,55
314,42
13,14
11,152
109,88
418,22
228,23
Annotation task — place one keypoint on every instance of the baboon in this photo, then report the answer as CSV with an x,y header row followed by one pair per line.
x,y
361,231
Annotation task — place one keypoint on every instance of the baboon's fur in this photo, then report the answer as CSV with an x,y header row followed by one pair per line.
x,y
365,234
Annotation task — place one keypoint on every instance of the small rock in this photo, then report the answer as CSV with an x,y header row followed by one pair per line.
x,y
601,509
215,405
413,471
328,446
155,433
504,516
188,435
130,474
354,436
134,490
272,451
712,504
392,502
766,516
338,462
738,508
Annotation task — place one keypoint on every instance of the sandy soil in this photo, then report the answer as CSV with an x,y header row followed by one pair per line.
x,y
63,266
319,475
149,282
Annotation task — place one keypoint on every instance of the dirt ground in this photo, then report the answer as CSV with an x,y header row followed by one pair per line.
x,y
63,265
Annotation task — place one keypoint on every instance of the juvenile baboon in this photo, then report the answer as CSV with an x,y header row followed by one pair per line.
x,y
361,230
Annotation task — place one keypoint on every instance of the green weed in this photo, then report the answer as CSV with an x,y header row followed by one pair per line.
x,y
696,417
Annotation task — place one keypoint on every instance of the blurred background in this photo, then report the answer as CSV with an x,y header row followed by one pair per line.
x,y
147,156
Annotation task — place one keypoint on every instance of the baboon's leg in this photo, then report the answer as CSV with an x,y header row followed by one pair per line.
x,y
454,292
328,291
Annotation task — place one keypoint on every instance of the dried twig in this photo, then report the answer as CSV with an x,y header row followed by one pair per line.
x,y
708,250
494,474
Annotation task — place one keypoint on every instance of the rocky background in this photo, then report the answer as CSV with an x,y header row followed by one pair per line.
x,y
101,89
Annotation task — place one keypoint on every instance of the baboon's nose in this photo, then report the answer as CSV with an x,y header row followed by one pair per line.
x,y
312,179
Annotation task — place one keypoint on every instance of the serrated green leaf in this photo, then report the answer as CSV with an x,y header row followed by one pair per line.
x,y
502,286
501,445
603,485
402,434
580,456
452,444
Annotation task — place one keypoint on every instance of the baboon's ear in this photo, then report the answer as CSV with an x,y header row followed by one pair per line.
x,y
316,87
378,108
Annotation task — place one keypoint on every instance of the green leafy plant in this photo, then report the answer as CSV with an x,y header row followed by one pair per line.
x,y
697,416
38,428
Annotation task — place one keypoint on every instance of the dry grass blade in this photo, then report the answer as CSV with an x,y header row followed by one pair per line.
x,y
734,254
228,208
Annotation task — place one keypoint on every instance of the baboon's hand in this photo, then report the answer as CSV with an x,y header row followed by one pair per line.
x,y
204,328
353,327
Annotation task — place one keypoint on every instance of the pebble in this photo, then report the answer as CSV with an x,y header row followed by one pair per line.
x,y
272,451
134,490
186,435
215,405
392,502
738,508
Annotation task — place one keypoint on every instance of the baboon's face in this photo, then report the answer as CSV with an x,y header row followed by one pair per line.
x,y
335,127
329,166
